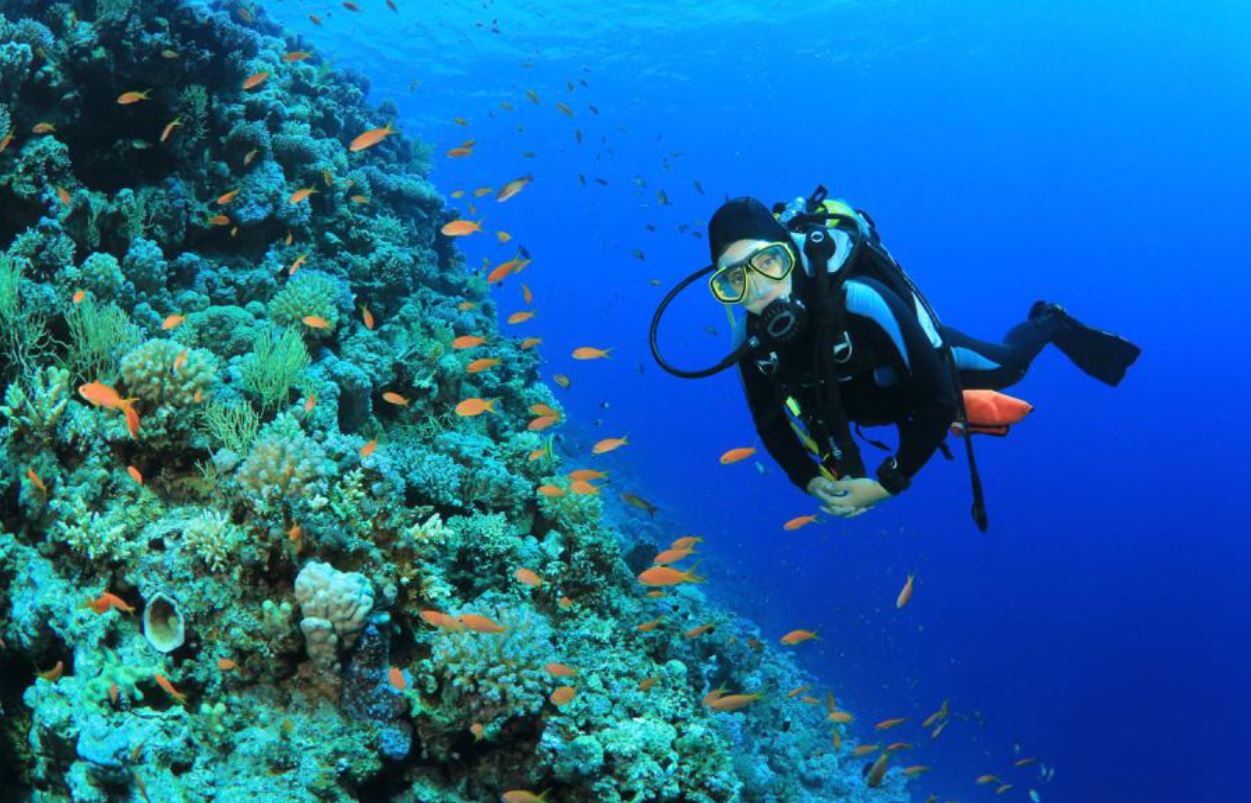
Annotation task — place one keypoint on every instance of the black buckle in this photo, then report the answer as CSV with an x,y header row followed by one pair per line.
x,y
769,365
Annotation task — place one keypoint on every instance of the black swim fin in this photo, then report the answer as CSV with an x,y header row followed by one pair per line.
x,y
1101,354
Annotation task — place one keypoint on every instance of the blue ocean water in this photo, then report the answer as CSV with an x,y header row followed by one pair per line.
x,y
1088,153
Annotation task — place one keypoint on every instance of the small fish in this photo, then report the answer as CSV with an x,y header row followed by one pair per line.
x,y
638,254
368,448
985,779
36,481
295,533
799,521
43,128
460,121
297,264
551,491
863,750
647,627
440,620
905,593
315,322
874,777
226,665
172,321
105,601
695,632
301,195
310,402
668,576
482,364
168,688
219,220
4,143
227,197
513,187
528,577
296,55
798,637
895,747
371,138
662,197
313,18
563,109
609,444
467,342
367,317
647,683
1024,762
478,731
395,676
634,500
560,670
887,724
460,228
533,96
169,128
480,624
941,713
521,317
699,187
459,153
562,380
529,343
101,395
686,542
63,195
563,695
167,53
590,353
523,796
135,474
528,297
127,98
475,406
583,488
391,397
671,556
350,6
465,306
734,702
255,79
249,156
939,729
1003,788
735,455
565,603
54,674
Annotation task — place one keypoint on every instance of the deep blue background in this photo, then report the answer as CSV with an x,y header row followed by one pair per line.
x,y
1090,153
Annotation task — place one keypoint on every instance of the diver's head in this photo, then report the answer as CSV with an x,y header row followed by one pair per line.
x,y
753,254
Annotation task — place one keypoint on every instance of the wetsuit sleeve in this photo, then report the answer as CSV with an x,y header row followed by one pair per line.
x,y
774,428
898,340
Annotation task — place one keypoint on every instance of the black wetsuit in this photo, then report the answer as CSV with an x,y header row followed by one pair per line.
x,y
894,374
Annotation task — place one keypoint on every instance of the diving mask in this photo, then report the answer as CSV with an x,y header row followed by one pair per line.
x,y
773,261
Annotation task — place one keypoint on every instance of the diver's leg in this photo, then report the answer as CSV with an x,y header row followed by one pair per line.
x,y
1100,354
994,366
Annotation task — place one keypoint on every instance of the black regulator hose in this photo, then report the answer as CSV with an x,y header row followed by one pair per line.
x,y
730,359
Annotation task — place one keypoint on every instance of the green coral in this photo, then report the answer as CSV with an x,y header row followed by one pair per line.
x,y
231,426
212,538
99,335
150,373
23,338
35,404
308,293
275,364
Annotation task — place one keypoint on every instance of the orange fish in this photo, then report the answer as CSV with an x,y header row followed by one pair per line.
x,y
839,717
478,731
873,778
503,236
127,98
562,380
735,455
647,683
887,724
609,444
482,364
941,713
114,692
367,317
171,321
465,306
440,620
985,779
105,601
560,670
500,273
668,576
670,556
247,160
315,322
227,197
359,199
583,473
43,128
734,702
565,603
647,627
798,637
467,342
799,521
513,187
864,750
168,688
310,402
530,342
371,138
169,128
226,665
54,674
1024,762
697,631
541,423
551,491
35,481
686,542
297,263
480,624
897,746
296,55
101,395
4,143
219,220
368,448
536,454
396,677
295,533
527,577
521,317
63,196
459,153
905,593
132,420
301,195
134,474
255,79
583,488
563,695
797,692
527,296
459,228
475,406
590,353
391,397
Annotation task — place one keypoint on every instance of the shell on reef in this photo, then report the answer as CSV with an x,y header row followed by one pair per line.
x,y
163,625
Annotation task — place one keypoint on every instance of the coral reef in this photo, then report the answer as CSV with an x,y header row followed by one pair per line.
x,y
235,569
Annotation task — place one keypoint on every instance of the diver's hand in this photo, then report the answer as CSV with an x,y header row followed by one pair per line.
x,y
847,498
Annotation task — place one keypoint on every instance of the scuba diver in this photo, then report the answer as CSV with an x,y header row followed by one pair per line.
x,y
837,334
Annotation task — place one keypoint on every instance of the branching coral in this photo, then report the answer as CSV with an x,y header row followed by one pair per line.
x,y
275,364
35,404
212,538
99,335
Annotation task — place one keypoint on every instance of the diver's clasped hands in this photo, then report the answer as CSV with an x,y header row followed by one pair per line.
x,y
847,498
